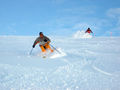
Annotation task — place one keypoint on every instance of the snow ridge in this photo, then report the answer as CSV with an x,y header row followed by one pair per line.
x,y
81,34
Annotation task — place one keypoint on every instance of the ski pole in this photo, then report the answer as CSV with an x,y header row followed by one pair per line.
x,y
31,51
55,49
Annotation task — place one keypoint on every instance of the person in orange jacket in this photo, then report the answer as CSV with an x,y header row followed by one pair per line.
x,y
43,43
88,31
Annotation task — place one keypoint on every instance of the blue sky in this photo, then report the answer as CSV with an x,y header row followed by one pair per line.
x,y
59,17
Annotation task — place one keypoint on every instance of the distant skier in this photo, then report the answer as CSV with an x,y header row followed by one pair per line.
x,y
43,43
88,31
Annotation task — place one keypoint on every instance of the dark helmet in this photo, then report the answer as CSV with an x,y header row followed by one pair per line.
x,y
88,28
40,33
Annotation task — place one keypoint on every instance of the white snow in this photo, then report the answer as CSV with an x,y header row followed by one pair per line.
x,y
86,64
81,34
58,54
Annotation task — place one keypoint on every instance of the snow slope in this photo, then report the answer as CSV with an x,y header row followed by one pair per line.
x,y
89,64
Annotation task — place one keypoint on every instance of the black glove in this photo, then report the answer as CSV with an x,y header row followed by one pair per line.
x,y
33,46
45,40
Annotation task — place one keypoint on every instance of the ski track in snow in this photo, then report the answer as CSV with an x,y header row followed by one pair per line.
x,y
85,64
101,71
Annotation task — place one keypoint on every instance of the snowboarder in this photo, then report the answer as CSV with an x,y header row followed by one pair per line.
x,y
43,43
88,31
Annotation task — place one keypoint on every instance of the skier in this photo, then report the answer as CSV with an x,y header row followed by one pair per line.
x,y
43,43
88,31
